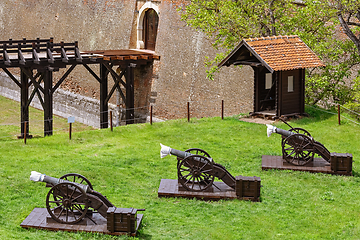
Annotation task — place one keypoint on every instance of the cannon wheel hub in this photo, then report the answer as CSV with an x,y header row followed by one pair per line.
x,y
67,203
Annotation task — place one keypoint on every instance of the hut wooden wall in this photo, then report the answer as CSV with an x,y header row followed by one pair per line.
x,y
291,102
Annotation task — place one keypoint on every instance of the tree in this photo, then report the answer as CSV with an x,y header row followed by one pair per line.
x,y
226,22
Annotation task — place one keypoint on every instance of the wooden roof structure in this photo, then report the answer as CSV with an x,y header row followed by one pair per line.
x,y
276,53
45,56
48,54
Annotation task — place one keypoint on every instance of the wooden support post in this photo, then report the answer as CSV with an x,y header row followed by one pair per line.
x,y
48,103
70,130
111,122
188,111
338,109
151,113
130,111
103,95
24,108
25,127
222,109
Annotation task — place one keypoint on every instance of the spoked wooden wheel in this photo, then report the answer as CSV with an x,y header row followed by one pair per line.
x,y
67,203
77,178
195,173
198,151
298,149
300,131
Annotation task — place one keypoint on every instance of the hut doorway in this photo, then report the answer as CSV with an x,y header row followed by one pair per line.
x,y
265,90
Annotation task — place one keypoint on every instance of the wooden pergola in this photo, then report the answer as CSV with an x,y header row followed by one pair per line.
x,y
38,59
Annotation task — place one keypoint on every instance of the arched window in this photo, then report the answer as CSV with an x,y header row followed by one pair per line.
x,y
150,25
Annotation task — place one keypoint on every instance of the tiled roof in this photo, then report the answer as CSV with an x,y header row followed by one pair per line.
x,y
284,52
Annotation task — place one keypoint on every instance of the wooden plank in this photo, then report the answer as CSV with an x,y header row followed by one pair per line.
x,y
169,188
319,165
37,219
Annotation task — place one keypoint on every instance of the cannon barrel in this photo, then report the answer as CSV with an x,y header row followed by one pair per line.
x,y
165,150
38,177
272,129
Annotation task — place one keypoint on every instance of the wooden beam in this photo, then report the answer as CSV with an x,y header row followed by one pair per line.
x,y
53,89
24,108
114,73
32,79
117,79
21,57
103,94
36,91
130,94
253,64
12,77
92,73
48,103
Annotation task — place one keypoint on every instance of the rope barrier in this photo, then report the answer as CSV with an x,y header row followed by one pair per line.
x,y
350,110
142,118
351,120
338,113
321,109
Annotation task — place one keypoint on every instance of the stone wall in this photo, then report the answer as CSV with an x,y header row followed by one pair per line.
x,y
168,85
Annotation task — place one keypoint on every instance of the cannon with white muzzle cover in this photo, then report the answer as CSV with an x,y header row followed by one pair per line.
x,y
72,199
196,172
299,148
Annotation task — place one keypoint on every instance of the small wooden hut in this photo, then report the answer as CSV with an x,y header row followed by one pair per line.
x,y
279,64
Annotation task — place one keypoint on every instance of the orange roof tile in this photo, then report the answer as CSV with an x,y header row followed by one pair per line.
x,y
276,53
284,52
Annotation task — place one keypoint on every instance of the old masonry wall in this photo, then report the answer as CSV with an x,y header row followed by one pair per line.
x,y
179,77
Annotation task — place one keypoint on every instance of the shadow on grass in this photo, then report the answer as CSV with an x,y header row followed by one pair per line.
x,y
145,236
355,174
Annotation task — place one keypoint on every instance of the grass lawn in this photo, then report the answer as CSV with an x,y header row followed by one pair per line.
x,y
125,166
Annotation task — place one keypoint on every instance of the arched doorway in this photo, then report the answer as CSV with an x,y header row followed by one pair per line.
x,y
150,25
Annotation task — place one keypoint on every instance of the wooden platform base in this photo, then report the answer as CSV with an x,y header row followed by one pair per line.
x,y
170,188
319,165
39,218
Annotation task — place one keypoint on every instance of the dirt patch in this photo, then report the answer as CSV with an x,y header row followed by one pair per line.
x,y
257,120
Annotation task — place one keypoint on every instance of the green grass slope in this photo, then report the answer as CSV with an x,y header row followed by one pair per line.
x,y
125,166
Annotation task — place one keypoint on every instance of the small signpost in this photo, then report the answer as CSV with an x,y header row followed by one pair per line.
x,y
70,121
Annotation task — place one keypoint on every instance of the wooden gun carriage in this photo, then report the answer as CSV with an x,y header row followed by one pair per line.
x,y
299,148
71,200
196,172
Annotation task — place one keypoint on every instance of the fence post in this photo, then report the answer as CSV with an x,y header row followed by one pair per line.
x,y
222,109
70,130
188,111
338,108
151,113
111,122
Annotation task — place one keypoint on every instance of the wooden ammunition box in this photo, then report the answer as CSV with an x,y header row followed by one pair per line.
x,y
341,163
121,219
248,188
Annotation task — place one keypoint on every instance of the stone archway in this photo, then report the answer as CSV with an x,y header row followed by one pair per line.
x,y
147,24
